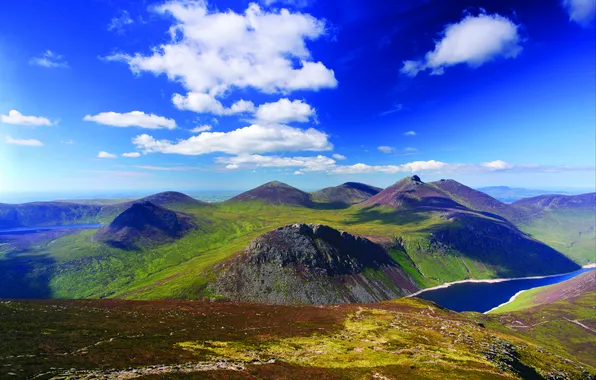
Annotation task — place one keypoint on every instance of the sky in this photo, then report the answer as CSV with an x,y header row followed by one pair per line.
x,y
227,95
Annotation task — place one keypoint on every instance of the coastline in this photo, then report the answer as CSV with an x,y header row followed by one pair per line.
x,y
510,300
494,280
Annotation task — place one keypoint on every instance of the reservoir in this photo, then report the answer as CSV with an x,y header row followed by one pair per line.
x,y
484,296
28,230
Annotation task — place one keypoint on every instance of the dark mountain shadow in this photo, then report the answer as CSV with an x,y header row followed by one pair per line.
x,y
26,276
372,213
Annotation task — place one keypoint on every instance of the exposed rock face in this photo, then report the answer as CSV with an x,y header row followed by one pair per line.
x,y
311,264
277,193
346,194
144,224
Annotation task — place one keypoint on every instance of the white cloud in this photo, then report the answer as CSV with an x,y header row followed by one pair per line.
x,y
411,149
103,154
212,52
201,128
317,163
410,133
49,59
386,149
474,40
252,139
16,118
120,23
205,103
581,11
131,154
68,142
497,165
285,111
132,119
338,156
29,142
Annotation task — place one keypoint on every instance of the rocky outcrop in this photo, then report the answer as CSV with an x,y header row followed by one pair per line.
x,y
144,225
311,264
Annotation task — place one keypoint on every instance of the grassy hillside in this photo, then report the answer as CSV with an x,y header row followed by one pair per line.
x,y
405,338
560,317
571,232
426,245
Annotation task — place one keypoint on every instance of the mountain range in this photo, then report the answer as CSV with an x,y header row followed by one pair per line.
x,y
170,245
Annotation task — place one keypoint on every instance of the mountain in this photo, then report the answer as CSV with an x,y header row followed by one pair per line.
x,y
512,194
173,200
479,201
311,264
559,202
412,193
36,214
559,317
275,193
348,193
143,225
565,222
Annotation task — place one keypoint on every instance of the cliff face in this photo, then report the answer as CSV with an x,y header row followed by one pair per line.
x,y
311,264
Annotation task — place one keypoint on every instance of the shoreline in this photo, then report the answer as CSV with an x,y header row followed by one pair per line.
x,y
508,302
495,280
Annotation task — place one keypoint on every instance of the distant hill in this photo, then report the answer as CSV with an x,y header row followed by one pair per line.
x,y
275,193
479,201
311,264
512,194
145,224
412,193
560,202
46,214
348,193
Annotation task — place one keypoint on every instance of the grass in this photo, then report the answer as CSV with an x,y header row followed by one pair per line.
x,y
571,232
406,337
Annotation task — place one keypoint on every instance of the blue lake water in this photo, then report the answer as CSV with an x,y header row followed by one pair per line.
x,y
28,230
483,296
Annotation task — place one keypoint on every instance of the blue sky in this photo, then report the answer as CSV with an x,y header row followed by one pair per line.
x,y
189,95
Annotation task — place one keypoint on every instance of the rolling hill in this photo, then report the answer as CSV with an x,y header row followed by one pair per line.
x,y
275,193
345,194
311,264
144,225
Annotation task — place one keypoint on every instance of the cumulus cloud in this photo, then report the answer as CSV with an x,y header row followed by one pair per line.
x,y
206,103
581,11
49,59
252,139
410,133
16,118
338,156
317,163
212,52
201,128
285,111
131,154
386,149
497,165
474,40
26,142
119,23
103,154
132,119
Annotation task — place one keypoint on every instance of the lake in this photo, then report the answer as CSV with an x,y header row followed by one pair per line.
x,y
483,296
28,230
